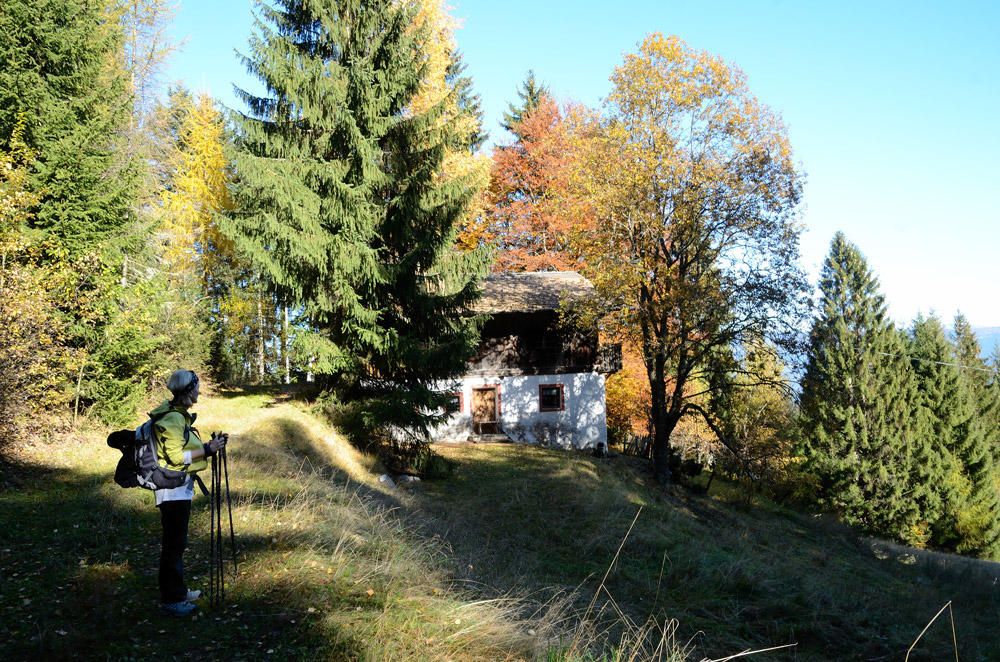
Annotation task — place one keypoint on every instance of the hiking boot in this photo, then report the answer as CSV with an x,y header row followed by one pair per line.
x,y
177,608
192,596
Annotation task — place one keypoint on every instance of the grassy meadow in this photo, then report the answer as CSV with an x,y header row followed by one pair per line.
x,y
524,554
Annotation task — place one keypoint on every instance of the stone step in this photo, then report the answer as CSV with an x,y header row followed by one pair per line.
x,y
490,438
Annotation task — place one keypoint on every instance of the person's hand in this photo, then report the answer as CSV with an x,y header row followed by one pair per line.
x,y
216,444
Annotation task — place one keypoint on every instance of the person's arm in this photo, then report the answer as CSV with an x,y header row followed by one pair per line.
x,y
215,444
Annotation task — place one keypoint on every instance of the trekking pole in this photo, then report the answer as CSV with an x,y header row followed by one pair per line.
x,y
229,504
211,550
218,560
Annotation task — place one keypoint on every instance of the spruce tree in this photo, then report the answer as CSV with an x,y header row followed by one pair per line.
x,y
983,430
859,407
342,203
954,431
531,94
63,72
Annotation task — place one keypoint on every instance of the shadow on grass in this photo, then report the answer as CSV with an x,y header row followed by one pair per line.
x,y
540,519
79,557
80,583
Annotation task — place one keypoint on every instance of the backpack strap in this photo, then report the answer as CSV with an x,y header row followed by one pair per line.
x,y
197,479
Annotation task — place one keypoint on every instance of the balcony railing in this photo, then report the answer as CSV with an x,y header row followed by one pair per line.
x,y
609,358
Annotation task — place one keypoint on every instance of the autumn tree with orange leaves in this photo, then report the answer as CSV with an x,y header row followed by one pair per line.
x,y
692,234
525,215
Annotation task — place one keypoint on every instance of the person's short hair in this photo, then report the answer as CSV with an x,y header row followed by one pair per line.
x,y
181,382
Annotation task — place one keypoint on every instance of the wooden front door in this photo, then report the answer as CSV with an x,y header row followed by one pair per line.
x,y
484,411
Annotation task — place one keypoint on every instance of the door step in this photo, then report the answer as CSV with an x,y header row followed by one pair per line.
x,y
490,438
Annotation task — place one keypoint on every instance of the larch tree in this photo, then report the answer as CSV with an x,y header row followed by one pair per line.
x,y
690,234
342,202
864,435
197,258
444,83
146,48
199,193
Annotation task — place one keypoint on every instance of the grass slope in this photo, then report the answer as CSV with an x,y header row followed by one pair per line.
x,y
519,556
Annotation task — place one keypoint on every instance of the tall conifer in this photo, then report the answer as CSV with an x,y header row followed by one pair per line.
x,y
531,95
859,402
343,205
63,71
953,430
983,429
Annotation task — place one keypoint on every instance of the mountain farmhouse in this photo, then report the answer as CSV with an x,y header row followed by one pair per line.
x,y
533,380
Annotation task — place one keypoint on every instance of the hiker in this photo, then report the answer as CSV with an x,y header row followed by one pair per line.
x,y
179,447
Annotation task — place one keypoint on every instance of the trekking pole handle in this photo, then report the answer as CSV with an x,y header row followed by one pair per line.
x,y
217,443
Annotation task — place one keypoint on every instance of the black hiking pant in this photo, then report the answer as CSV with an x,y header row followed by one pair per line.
x,y
174,516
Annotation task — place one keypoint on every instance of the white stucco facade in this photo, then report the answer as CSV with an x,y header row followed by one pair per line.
x,y
579,422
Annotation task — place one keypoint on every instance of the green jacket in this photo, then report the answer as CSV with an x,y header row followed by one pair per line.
x,y
172,440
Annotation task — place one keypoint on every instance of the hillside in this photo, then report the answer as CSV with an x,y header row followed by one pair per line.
x,y
504,561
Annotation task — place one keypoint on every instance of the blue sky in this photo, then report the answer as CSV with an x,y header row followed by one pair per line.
x,y
892,108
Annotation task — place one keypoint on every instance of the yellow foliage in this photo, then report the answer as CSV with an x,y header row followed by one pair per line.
x,y
917,535
37,363
201,189
438,47
683,132
16,200
685,195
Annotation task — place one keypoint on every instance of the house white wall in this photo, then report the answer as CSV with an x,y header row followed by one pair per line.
x,y
582,422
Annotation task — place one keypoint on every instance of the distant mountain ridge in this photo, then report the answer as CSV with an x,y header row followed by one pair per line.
x,y
989,337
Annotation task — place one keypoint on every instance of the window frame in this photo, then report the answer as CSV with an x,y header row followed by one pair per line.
x,y
461,403
562,398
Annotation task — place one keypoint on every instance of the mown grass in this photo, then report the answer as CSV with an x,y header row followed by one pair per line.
x,y
525,554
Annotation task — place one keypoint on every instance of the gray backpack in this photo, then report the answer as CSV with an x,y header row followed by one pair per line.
x,y
138,466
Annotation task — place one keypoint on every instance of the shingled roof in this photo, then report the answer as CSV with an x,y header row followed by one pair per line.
x,y
531,292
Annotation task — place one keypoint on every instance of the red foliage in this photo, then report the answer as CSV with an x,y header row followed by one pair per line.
x,y
525,182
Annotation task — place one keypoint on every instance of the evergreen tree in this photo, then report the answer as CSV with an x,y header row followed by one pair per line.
x,y
954,431
531,94
64,73
167,141
467,103
341,202
983,430
860,412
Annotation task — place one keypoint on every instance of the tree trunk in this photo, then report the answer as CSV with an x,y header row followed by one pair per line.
x,y
665,419
79,381
663,426
284,348
260,338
